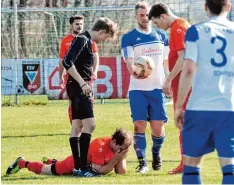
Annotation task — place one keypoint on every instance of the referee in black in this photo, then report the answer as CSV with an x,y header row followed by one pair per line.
x,y
79,64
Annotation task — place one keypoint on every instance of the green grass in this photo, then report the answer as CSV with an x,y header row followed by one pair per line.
x,y
36,131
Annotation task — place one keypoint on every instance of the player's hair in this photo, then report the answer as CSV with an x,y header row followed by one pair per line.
x,y
106,24
75,17
142,4
158,9
216,6
122,136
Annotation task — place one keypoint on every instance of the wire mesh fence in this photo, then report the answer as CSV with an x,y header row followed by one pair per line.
x,y
42,24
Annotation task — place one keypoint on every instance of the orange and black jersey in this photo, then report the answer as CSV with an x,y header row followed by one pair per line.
x,y
80,54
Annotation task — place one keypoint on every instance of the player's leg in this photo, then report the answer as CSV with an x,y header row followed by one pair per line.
x,y
157,117
69,111
179,168
74,94
139,110
64,167
87,117
224,143
197,141
191,171
35,167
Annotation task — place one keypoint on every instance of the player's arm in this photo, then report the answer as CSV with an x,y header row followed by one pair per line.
x,y
95,64
61,68
62,54
185,83
166,68
178,39
165,51
76,48
178,66
121,167
187,73
106,168
128,53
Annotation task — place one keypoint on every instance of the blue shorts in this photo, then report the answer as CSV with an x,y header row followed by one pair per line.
x,y
204,131
148,105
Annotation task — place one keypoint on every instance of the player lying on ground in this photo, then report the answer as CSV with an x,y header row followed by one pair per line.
x,y
105,154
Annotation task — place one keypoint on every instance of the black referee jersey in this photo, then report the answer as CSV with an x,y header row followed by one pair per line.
x,y
80,54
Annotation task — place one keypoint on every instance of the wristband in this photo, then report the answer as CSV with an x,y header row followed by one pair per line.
x,y
83,85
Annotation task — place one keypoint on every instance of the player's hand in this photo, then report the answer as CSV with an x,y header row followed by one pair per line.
x,y
167,88
179,118
86,89
122,153
94,75
62,84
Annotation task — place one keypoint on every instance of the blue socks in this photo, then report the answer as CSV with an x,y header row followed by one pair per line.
x,y
191,175
157,144
140,146
228,174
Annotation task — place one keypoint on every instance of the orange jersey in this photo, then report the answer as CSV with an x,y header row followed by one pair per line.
x,y
176,40
66,43
100,152
176,43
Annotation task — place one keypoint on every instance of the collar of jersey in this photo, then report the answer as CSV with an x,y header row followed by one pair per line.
x,y
220,17
144,32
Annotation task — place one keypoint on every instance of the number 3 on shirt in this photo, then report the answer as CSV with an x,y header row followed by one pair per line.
x,y
220,51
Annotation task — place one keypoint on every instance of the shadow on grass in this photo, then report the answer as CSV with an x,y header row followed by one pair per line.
x,y
36,135
165,161
12,178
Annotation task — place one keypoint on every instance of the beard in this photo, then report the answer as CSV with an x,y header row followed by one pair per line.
x,y
144,25
78,31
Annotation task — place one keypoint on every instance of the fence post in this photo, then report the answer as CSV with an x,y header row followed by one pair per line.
x,y
16,45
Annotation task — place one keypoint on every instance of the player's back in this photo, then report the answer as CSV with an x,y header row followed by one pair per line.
x,y
213,86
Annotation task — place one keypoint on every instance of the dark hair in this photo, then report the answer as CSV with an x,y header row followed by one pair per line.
x,y
75,17
122,136
157,10
142,5
106,24
216,6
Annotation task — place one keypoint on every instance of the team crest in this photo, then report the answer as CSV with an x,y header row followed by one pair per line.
x,y
31,77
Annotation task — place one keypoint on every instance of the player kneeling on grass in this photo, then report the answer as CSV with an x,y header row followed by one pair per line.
x,y
105,154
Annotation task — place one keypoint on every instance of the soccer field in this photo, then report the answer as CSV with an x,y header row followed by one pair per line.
x,y
43,130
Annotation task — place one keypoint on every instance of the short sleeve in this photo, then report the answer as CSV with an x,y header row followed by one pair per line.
x,y
62,51
191,40
126,47
94,47
178,35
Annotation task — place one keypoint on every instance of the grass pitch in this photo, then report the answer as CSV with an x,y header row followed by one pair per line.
x,y
35,131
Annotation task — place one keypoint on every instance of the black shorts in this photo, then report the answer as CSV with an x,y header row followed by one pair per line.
x,y
82,105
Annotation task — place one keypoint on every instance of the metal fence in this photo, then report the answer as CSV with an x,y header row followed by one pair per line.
x,y
41,24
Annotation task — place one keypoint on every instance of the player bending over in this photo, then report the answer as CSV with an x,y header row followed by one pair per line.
x,y
105,154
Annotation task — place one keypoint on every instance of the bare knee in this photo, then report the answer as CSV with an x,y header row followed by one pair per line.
x,y
139,126
157,128
46,170
77,128
192,161
89,125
